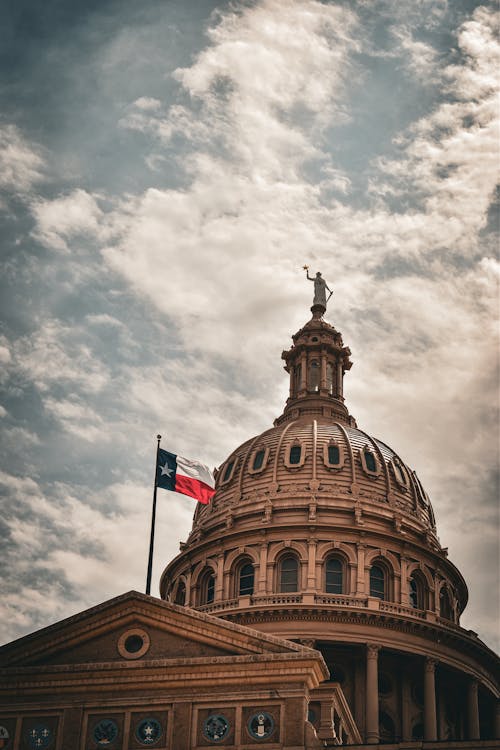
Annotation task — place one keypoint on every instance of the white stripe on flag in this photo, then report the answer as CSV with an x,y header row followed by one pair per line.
x,y
195,470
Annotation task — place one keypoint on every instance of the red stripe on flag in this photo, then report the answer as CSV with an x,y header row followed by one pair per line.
x,y
194,488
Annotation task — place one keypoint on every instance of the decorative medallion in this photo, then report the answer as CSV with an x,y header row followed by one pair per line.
x,y
105,732
40,737
216,727
4,737
148,731
261,726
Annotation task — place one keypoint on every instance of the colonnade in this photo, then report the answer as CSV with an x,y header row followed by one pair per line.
x,y
430,713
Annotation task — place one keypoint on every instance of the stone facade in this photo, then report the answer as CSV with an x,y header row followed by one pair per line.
x,y
322,534
136,672
311,606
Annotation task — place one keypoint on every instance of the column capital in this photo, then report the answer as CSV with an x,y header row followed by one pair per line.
x,y
372,650
430,664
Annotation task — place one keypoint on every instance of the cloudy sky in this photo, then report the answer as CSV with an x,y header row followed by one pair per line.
x,y
166,168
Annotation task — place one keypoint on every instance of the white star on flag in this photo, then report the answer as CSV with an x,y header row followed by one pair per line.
x,y
166,470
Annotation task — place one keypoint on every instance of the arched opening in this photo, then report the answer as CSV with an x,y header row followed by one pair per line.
x,y
258,459
329,378
334,576
378,582
288,574
180,594
207,587
314,375
417,591
445,608
297,378
245,579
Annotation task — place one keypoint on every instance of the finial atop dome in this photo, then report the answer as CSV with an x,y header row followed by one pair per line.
x,y
320,301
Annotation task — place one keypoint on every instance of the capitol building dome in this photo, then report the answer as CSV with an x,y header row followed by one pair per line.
x,y
322,534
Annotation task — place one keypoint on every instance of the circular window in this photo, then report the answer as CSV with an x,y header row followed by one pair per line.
x,y
148,731
216,727
384,684
133,644
39,736
105,732
261,725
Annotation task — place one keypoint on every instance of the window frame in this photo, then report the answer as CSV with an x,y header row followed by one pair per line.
x,y
297,443
326,459
340,561
253,456
282,560
370,472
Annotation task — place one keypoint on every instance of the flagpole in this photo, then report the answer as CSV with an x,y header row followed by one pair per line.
x,y
153,518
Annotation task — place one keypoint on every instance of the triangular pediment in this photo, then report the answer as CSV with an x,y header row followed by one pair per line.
x,y
134,627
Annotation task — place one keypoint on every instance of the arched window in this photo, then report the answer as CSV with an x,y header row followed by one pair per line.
x,y
329,377
334,583
228,472
377,582
445,608
246,579
207,587
295,454
314,375
180,594
417,591
289,574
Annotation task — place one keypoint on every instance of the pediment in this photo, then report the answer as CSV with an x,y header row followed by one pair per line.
x,y
134,627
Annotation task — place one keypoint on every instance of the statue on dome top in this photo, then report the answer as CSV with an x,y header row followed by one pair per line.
x,y
320,287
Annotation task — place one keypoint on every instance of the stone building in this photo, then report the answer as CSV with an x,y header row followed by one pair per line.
x,y
312,605
322,534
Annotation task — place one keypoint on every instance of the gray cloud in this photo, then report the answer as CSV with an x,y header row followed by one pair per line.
x,y
163,280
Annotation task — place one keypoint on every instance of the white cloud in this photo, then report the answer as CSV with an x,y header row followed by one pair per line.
x,y
66,217
21,163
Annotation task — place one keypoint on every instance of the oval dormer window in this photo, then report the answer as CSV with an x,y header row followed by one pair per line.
x,y
369,462
294,454
228,472
399,472
258,460
333,455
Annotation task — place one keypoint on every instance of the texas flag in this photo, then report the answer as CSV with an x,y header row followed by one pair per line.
x,y
185,476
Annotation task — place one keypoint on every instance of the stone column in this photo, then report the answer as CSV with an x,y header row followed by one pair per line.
x,y
430,723
406,706
371,724
473,711
261,584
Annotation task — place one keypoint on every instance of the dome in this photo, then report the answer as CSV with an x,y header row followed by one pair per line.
x,y
337,467
322,534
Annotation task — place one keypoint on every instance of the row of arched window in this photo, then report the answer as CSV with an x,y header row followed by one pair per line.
x,y
288,581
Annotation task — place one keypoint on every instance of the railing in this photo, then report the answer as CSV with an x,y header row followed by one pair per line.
x,y
331,600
